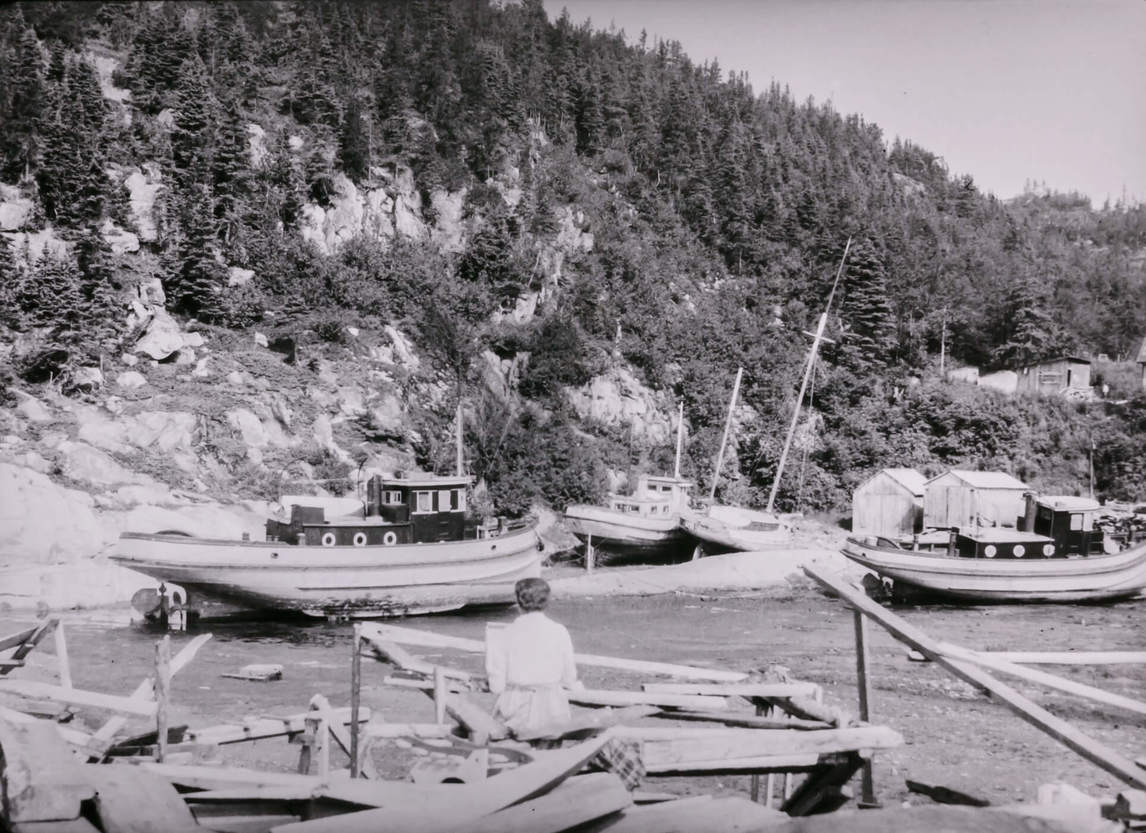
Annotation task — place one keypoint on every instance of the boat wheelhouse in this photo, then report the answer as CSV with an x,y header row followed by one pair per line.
x,y
646,522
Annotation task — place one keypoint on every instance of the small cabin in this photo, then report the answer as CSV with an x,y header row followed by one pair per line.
x,y
1054,376
890,504
412,509
971,499
1069,521
654,496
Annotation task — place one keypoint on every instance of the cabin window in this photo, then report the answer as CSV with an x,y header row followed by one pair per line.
x,y
444,500
424,501
391,498
458,500
1076,523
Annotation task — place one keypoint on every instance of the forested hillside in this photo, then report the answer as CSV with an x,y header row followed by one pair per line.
x,y
711,217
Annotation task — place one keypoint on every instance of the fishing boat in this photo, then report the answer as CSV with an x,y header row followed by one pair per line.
x,y
413,549
1054,555
643,525
722,528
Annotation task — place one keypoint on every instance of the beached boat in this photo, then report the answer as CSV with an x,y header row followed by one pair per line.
x,y
1057,557
412,550
722,529
645,524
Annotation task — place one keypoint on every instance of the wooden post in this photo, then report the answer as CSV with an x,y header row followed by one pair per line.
x,y
755,788
589,555
441,692
62,657
867,797
458,439
355,701
162,695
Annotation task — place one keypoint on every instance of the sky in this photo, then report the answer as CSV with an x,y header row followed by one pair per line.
x,y
1009,91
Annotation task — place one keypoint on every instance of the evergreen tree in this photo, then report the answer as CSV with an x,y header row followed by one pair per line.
x,y
196,113
23,108
354,143
10,278
1028,332
100,310
195,277
868,338
50,296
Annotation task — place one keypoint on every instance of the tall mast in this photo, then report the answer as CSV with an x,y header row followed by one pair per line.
x,y
461,460
811,363
727,428
679,440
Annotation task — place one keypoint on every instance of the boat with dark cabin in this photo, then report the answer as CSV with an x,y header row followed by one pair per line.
x,y
1054,554
414,549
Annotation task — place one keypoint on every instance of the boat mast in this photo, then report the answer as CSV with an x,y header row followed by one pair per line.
x,y
811,363
679,440
460,459
727,428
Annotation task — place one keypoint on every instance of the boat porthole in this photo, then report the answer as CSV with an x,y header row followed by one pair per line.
x,y
328,539
274,555
390,539
989,550
1020,550
359,539
1048,550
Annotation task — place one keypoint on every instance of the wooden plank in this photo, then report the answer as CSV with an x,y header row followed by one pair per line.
x,y
482,726
72,736
823,790
747,720
867,796
1042,677
1068,657
130,800
42,779
601,697
65,667
356,752
162,694
266,727
591,722
727,766
406,730
580,799
1097,753
26,641
945,795
461,802
79,697
19,637
736,689
399,657
412,636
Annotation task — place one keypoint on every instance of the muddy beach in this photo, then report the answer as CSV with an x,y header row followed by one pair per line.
x,y
954,736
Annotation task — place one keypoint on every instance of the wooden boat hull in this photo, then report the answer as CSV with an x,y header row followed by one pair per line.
x,y
626,535
364,581
716,535
1075,579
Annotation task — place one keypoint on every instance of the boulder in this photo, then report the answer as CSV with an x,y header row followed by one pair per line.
x,y
38,243
143,187
151,293
449,230
256,144
237,276
129,359
83,462
387,416
261,340
403,348
251,430
31,408
87,378
161,338
165,431
616,398
202,368
131,379
42,522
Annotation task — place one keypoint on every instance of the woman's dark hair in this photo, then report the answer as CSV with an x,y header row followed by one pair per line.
x,y
532,594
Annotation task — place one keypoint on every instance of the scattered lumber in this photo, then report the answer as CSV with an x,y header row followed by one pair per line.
x,y
480,724
399,657
262,728
389,731
748,721
257,673
132,801
946,795
24,642
601,697
582,724
1097,753
728,814
460,803
1129,806
413,636
1042,677
1068,657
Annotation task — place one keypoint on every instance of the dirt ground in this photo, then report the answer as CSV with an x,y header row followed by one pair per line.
x,y
953,736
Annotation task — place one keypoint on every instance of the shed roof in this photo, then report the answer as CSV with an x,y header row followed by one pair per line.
x,y
910,479
985,479
1053,359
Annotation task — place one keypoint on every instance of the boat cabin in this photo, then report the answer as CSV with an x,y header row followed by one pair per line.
x,y
1053,527
399,509
655,496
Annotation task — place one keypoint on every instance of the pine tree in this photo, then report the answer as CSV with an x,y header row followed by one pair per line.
x,y
1028,332
50,296
25,101
868,337
196,279
230,169
11,276
354,143
99,290
196,113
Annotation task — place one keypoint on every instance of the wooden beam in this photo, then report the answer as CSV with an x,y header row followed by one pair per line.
x,y
399,657
1049,680
482,726
747,720
727,814
265,727
867,797
736,689
43,782
79,697
1097,753
65,667
585,723
25,641
162,694
412,636
822,791
741,766
601,697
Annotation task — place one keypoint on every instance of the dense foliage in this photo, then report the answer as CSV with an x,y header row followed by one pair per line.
x,y
719,216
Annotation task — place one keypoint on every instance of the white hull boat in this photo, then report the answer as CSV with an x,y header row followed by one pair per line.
x,y
643,525
1034,578
733,529
410,552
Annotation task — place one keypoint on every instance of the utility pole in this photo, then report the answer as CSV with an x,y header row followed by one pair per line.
x,y
679,440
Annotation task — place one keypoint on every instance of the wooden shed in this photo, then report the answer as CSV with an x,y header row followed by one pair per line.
x,y
969,499
1054,375
889,503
